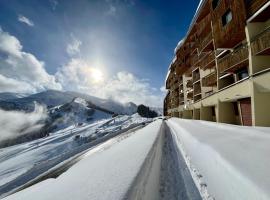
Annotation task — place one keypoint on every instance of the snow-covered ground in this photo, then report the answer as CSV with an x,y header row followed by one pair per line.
x,y
228,162
179,159
105,173
22,163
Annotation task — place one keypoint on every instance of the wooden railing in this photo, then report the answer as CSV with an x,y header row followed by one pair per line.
x,y
194,60
209,80
189,84
206,41
196,76
261,42
197,89
190,94
234,58
207,60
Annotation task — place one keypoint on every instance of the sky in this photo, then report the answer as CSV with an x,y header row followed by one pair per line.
x,y
119,49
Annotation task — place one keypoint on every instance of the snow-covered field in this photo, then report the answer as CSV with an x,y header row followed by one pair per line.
x,y
22,163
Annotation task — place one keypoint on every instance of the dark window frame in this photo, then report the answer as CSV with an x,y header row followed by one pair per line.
x,y
215,4
225,20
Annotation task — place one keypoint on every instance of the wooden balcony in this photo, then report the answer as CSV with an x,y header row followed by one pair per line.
x,y
194,59
234,60
197,88
210,80
208,61
253,5
206,42
260,45
196,75
189,84
190,94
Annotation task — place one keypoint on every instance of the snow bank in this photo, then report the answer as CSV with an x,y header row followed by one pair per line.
x,y
107,173
231,161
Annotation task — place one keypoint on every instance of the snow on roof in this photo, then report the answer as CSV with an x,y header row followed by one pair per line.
x,y
181,42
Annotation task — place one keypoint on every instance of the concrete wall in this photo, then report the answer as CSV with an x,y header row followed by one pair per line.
x,y
226,113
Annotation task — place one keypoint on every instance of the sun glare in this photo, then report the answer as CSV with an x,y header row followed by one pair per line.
x,y
97,75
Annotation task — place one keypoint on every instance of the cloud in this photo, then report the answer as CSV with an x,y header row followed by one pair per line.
x,y
19,68
25,20
54,4
73,48
15,123
163,89
123,86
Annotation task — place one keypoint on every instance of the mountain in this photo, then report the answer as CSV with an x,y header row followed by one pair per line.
x,y
9,95
52,98
76,112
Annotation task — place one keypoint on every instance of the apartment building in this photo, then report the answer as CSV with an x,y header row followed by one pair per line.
x,y
221,69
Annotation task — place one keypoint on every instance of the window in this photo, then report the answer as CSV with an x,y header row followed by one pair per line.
x,y
241,74
227,17
215,4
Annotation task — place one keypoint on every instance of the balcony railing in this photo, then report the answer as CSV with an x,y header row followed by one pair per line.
x,y
196,75
233,59
206,41
208,61
261,43
190,94
197,89
209,80
189,84
194,60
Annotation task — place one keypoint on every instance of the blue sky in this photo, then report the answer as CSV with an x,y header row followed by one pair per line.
x,y
128,41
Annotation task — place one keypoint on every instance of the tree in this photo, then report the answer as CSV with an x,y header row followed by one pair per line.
x,y
145,111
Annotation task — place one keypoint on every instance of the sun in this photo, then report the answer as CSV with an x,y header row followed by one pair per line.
x,y
97,75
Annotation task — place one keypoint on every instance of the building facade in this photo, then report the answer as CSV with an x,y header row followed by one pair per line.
x,y
221,69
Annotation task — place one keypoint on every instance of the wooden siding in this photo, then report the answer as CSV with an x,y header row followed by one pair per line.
x,y
233,33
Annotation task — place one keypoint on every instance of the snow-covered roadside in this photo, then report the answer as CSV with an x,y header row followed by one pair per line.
x,y
105,174
22,163
232,162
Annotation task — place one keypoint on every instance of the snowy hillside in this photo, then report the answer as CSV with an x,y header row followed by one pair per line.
x,y
52,98
21,163
77,112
